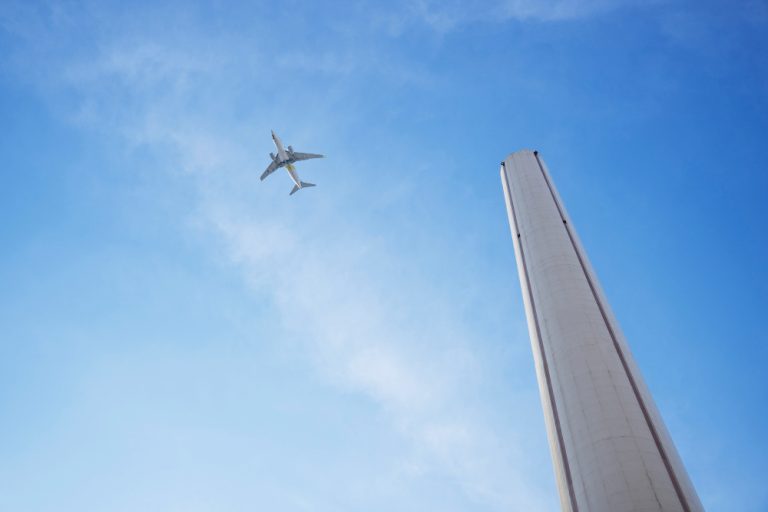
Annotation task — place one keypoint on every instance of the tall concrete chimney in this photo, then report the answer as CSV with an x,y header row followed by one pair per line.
x,y
610,448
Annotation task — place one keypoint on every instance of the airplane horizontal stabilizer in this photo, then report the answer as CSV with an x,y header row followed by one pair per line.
x,y
303,185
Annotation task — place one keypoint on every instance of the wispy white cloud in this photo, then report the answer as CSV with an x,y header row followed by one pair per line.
x,y
443,16
366,319
373,334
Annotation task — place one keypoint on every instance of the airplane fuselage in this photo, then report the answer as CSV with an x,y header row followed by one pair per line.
x,y
281,153
292,173
284,160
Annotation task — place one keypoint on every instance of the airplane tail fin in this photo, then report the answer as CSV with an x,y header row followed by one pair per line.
x,y
303,185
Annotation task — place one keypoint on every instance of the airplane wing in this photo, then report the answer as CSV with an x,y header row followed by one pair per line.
x,y
272,168
305,156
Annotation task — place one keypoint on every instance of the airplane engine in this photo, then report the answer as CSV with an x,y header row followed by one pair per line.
x,y
290,149
272,156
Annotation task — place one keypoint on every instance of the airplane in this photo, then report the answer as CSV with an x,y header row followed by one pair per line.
x,y
286,157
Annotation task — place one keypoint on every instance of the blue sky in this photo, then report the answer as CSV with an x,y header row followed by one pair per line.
x,y
177,335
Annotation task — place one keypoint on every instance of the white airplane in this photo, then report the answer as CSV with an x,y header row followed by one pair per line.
x,y
286,158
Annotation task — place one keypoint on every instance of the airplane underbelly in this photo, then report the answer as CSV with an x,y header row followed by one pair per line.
x,y
292,173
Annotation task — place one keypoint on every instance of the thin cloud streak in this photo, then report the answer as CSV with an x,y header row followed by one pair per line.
x,y
410,354
356,332
444,16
